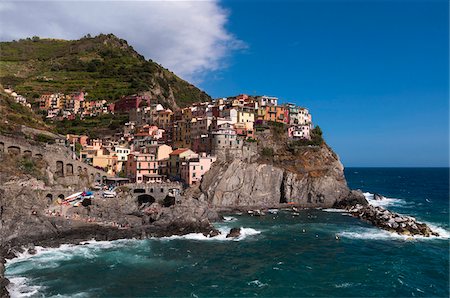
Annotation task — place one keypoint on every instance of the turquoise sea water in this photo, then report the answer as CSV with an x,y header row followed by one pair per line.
x,y
278,255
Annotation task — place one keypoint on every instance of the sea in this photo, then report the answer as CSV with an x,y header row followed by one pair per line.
x,y
315,253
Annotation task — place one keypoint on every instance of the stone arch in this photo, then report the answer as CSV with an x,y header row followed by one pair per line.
x,y
59,168
27,153
69,169
2,147
61,196
91,177
38,155
14,150
144,198
49,198
139,190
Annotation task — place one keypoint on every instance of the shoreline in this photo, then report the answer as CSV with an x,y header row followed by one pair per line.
x,y
87,232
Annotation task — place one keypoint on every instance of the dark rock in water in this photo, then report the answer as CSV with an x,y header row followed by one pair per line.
x,y
355,197
234,233
212,233
32,250
378,197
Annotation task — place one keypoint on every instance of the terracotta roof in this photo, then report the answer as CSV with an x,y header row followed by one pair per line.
x,y
179,151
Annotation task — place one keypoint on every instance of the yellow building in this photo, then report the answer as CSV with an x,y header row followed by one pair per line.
x,y
182,134
245,116
107,160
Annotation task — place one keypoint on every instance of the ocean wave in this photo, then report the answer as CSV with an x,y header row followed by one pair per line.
x,y
245,232
335,210
46,257
379,234
257,283
21,287
384,202
229,218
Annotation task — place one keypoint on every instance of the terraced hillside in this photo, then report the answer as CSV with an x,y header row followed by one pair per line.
x,y
104,66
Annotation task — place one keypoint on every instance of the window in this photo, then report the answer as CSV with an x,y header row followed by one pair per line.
x,y
162,189
193,174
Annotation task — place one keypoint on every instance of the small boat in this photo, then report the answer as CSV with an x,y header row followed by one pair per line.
x,y
295,214
109,194
273,211
73,197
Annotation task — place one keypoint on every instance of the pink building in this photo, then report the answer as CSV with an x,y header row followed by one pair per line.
x,y
193,169
142,167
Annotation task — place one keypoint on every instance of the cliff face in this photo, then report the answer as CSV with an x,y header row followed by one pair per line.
x,y
310,177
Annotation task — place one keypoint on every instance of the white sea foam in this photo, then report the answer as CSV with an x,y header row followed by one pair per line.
x,y
383,202
335,210
229,218
21,287
379,234
257,283
46,257
343,285
245,232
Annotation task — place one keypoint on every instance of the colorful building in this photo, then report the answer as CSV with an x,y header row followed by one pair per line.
x,y
139,165
193,169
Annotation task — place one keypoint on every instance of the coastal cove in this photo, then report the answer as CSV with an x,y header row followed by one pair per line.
x,y
276,255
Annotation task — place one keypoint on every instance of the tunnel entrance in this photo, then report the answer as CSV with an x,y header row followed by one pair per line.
x,y
145,199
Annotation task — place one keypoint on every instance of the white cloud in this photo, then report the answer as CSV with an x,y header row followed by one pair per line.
x,y
188,37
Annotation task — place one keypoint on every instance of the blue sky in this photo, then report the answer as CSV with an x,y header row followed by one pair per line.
x,y
373,73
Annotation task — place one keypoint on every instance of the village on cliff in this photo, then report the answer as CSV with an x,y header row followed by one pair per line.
x,y
158,145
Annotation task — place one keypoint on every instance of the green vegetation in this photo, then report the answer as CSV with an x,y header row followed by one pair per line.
x,y
316,140
42,138
104,66
13,115
267,152
92,126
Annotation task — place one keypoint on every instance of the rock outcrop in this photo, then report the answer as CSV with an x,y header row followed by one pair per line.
x,y
24,222
315,178
234,233
3,281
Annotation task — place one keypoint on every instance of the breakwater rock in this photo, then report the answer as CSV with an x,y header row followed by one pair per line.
x,y
391,221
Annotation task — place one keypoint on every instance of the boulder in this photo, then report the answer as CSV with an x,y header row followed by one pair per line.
x,y
234,233
378,197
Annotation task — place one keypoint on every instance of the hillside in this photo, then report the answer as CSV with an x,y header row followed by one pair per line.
x,y
104,66
13,115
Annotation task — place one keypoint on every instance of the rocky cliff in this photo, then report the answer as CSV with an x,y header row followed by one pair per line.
x,y
318,183
280,171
